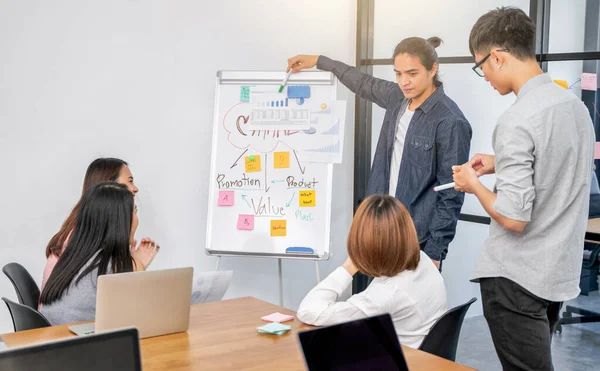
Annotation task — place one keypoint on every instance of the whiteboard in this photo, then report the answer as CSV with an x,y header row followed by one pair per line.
x,y
265,195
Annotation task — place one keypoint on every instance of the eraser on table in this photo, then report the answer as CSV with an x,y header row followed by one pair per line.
x,y
299,250
277,317
226,198
298,91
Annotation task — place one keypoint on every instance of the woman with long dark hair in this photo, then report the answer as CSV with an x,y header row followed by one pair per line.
x,y
101,243
100,170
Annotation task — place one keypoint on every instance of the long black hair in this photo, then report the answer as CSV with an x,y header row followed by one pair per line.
x,y
102,228
100,170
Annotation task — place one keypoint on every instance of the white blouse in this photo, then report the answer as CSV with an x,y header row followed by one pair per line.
x,y
414,299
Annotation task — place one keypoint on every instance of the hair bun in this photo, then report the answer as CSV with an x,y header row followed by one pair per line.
x,y
434,41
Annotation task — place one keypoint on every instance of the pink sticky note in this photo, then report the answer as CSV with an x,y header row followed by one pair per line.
x,y
597,151
225,198
245,222
588,81
277,317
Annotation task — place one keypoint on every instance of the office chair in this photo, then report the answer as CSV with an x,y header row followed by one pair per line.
x,y
442,339
589,262
24,317
27,290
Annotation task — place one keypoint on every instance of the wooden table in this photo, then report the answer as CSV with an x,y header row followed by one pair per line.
x,y
223,335
592,232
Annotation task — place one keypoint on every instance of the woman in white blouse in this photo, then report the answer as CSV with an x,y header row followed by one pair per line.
x,y
382,243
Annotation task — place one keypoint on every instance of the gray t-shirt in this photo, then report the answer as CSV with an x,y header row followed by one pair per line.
x,y
78,302
544,146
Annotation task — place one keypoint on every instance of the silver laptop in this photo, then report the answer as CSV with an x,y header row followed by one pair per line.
x,y
156,302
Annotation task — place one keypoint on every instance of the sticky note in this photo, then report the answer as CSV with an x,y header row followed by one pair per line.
x,y
307,198
277,317
588,81
597,151
281,160
562,83
252,163
298,91
225,198
278,228
245,222
274,328
244,94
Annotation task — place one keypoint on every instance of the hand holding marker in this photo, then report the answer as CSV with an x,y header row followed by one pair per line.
x,y
445,186
285,80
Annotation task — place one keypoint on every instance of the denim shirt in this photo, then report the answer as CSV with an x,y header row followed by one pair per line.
x,y
438,137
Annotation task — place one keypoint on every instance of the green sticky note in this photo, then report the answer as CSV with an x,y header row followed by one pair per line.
x,y
274,328
245,94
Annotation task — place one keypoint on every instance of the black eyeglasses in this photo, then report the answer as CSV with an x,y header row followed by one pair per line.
x,y
477,66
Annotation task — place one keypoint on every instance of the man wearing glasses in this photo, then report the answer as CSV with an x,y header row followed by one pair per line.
x,y
543,147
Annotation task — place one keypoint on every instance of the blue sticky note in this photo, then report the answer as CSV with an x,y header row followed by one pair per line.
x,y
298,91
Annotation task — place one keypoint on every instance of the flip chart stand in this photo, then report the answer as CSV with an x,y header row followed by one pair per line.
x,y
280,275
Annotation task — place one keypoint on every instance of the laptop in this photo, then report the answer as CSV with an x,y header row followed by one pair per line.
x,y
155,302
365,344
117,350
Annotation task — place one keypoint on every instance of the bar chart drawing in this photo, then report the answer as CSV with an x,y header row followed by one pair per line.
x,y
334,148
334,130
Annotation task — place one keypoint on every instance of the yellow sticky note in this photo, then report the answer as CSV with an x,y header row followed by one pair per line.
x,y
252,163
307,198
562,83
281,160
278,228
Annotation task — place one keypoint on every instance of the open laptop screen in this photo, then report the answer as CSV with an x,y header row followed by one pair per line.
x,y
365,344
118,350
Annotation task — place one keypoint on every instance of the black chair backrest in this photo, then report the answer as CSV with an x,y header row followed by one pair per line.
x,y
27,290
442,339
25,318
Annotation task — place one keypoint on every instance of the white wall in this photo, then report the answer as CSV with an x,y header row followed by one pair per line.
x,y
135,79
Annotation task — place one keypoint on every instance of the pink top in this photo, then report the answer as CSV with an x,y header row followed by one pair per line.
x,y
51,263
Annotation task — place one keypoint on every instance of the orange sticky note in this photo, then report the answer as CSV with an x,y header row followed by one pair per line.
x,y
252,163
562,83
278,228
281,160
307,198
